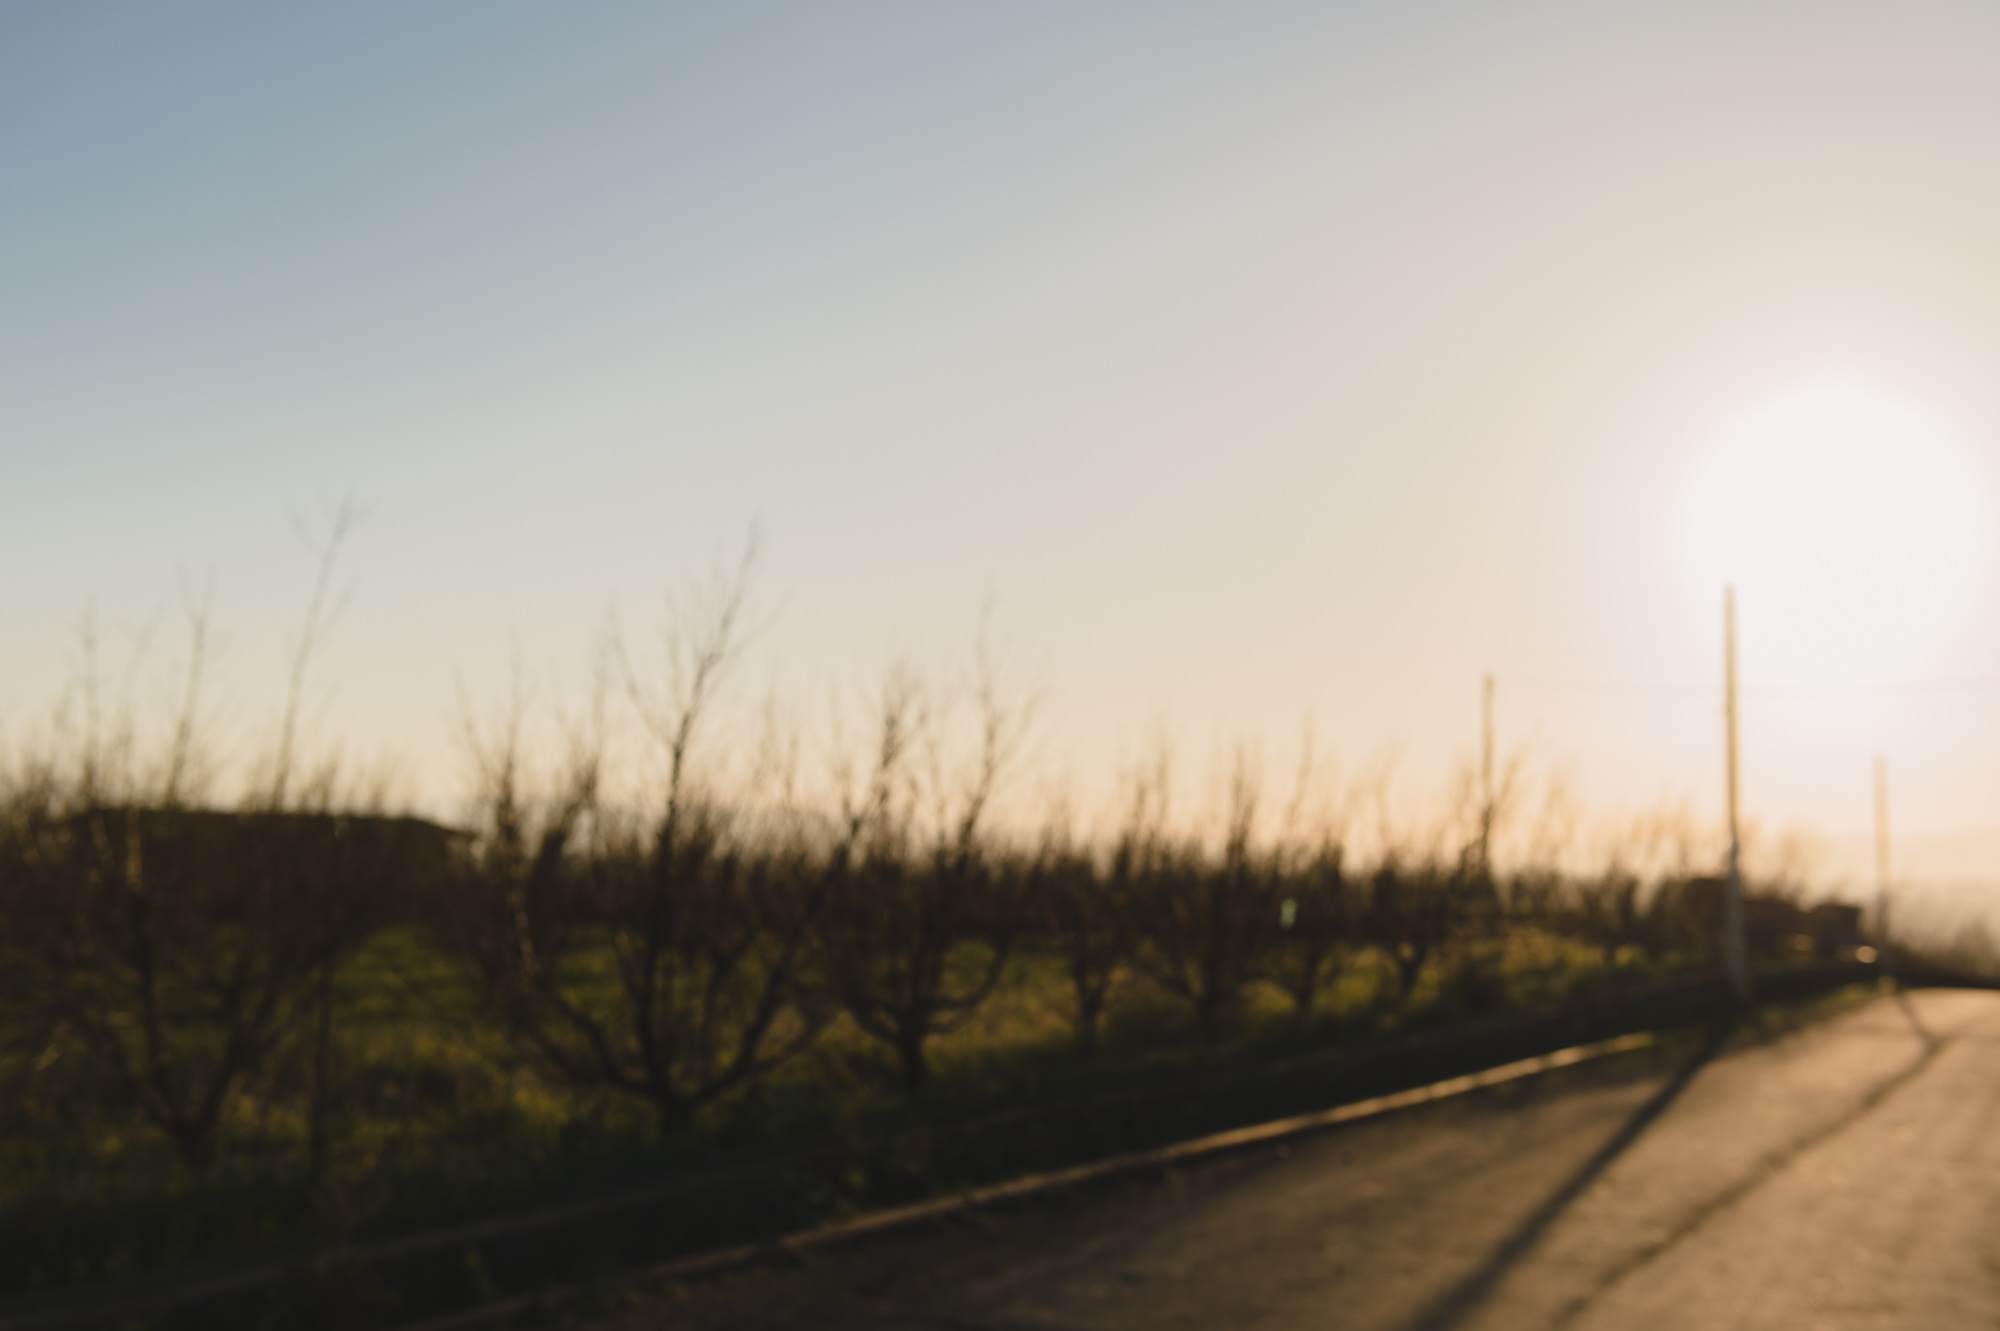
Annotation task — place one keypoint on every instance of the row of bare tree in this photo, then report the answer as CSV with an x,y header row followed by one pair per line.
x,y
678,958
677,940
176,950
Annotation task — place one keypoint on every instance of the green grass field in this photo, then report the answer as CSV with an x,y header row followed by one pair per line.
x,y
435,1114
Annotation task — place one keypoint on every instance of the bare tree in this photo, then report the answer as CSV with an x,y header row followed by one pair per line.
x,y
1086,913
184,947
1604,910
1318,929
343,917
1318,921
1207,922
1413,912
926,914
660,954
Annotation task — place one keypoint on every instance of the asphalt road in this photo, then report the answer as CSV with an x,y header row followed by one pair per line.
x,y
1845,1174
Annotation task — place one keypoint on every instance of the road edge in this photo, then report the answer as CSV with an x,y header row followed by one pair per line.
x,y
880,1223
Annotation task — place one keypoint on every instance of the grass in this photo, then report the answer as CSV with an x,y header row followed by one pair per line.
x,y
437,1118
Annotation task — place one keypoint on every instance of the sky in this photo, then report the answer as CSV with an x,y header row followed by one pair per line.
x,y
1256,365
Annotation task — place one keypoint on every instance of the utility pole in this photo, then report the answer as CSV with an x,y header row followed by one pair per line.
x,y
1882,862
1486,777
1732,903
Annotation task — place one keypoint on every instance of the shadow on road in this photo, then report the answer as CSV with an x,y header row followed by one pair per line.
x,y
1452,1305
1916,1022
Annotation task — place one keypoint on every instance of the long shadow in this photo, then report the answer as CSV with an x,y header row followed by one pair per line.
x,y
1454,1303
1917,1023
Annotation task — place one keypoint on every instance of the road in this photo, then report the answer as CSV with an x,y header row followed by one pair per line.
x,y
1841,1175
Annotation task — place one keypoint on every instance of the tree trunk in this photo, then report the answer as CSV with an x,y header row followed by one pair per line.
x,y
910,1058
1408,965
1088,1005
672,1115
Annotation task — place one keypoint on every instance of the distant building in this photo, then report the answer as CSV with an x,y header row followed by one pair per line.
x,y
1775,926
221,848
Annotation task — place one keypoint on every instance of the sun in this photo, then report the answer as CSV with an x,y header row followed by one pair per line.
x,y
1848,524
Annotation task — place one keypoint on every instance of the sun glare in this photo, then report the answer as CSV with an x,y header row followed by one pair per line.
x,y
1847,523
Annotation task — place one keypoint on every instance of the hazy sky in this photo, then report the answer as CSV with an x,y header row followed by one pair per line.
x,y
1261,361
